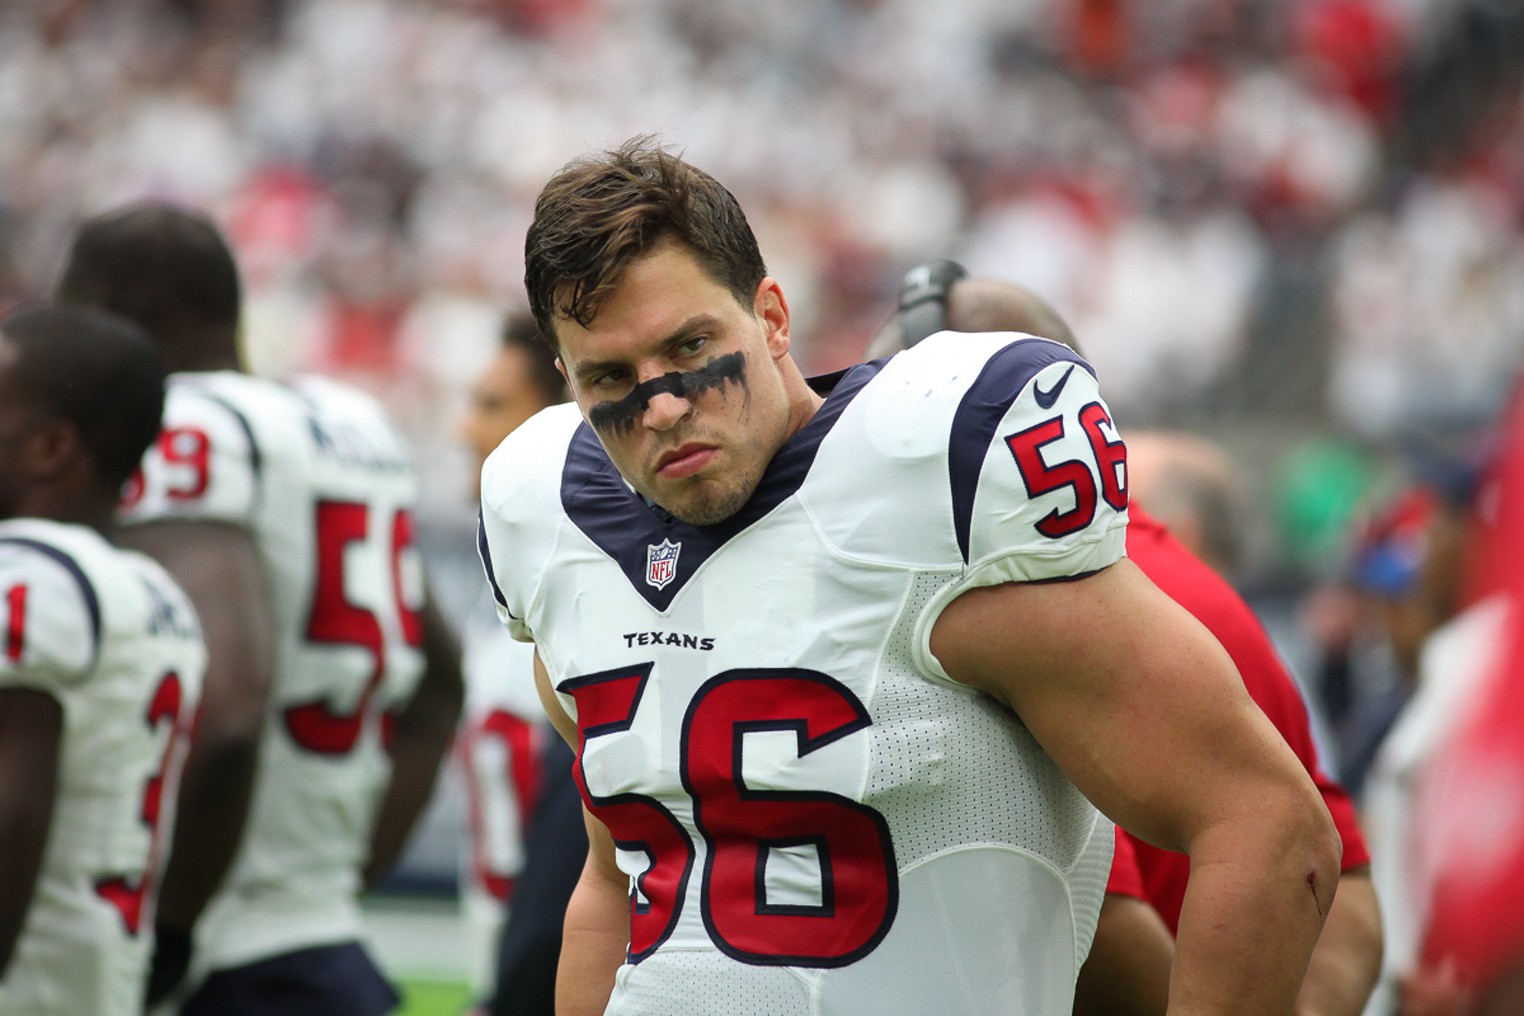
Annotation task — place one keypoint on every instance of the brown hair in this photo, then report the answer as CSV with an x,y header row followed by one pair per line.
x,y
603,211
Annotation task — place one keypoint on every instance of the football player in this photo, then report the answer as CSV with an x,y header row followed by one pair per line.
x,y
101,660
1127,969
333,687
846,661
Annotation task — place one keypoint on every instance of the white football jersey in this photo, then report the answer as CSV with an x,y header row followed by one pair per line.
x,y
814,818
111,637
502,731
318,475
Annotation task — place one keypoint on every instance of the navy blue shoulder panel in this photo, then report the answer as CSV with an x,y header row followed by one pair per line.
x,y
984,405
86,588
486,555
627,529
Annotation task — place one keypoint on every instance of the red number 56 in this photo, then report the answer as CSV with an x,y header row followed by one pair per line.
x,y
1042,477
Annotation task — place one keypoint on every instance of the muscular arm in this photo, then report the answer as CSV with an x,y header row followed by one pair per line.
x,y
220,568
597,929
424,731
31,728
1347,959
1143,710
1127,971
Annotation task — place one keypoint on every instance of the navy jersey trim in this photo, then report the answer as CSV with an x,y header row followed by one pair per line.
x,y
486,555
622,525
978,416
86,587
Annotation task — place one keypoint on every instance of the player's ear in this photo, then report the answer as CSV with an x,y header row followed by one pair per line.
x,y
52,449
771,308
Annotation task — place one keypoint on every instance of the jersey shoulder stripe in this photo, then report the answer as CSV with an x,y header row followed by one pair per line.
x,y
486,555
70,566
256,457
986,403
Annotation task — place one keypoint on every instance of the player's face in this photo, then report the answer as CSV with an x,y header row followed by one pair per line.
x,y
683,384
503,397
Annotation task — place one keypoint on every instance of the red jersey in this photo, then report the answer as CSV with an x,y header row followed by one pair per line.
x,y
1204,593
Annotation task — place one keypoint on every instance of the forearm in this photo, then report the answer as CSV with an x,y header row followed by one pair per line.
x,y
1347,959
215,791
1252,915
31,725
1128,968
422,736
424,732
597,932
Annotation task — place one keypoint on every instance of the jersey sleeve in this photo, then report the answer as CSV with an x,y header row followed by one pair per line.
x,y
516,623
521,512
1038,470
206,464
1038,474
50,620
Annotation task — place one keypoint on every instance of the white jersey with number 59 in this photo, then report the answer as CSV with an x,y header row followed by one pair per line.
x,y
319,477
110,636
814,818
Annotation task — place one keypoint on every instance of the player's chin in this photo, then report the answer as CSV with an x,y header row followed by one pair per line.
x,y
703,503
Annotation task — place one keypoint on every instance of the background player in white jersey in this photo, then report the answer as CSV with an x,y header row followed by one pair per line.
x,y
100,667
286,512
509,755
792,629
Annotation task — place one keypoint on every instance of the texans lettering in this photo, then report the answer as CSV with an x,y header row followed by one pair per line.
x,y
668,638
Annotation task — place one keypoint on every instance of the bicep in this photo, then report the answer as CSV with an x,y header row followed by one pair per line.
x,y
220,568
564,724
31,732
1132,697
441,652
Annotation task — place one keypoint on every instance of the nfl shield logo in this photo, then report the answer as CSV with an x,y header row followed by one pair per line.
x,y
661,563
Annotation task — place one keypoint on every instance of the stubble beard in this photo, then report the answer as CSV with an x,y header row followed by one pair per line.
x,y
708,507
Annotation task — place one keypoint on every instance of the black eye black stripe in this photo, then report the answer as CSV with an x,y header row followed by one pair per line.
x,y
619,415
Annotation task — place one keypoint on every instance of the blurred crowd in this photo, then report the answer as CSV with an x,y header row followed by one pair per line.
x,y
1244,207
1306,216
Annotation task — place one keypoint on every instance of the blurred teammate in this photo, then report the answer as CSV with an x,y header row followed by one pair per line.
x,y
1189,486
332,687
100,666
504,738
791,632
1122,972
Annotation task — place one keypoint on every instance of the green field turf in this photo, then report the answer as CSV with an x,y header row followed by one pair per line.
x,y
433,998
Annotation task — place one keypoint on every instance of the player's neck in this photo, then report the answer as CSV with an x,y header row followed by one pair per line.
x,y
97,510
803,402
215,353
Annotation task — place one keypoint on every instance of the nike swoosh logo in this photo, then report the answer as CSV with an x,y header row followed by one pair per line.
x,y
1045,399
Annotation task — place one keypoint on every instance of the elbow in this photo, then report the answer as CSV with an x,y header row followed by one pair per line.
x,y
225,747
1328,845
1322,850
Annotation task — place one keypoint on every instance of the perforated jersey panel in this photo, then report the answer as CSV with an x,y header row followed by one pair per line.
x,y
707,984
1009,793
